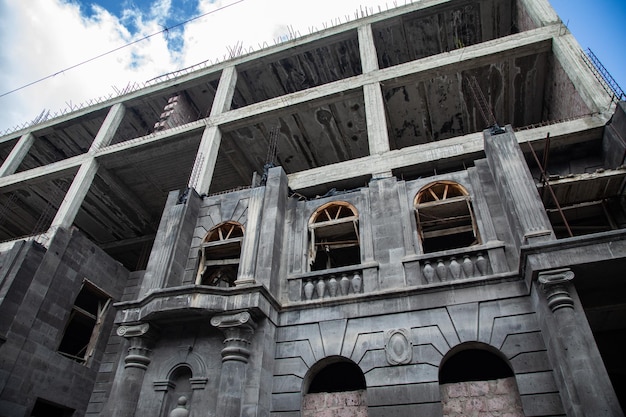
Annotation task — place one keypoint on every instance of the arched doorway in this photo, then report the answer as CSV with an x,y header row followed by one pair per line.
x,y
335,385
475,379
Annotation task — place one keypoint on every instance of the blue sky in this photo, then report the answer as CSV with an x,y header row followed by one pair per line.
x,y
43,37
601,26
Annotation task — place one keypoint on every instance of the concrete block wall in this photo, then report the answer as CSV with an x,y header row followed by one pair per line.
x,y
32,367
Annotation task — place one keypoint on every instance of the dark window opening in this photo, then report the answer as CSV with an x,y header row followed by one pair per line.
x,y
474,365
445,219
83,327
588,217
338,377
334,236
45,408
219,255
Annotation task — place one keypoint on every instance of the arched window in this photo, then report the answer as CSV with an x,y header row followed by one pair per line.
x,y
478,371
338,377
336,386
445,219
334,236
219,255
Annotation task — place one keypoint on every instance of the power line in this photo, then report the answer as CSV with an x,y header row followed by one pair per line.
x,y
164,30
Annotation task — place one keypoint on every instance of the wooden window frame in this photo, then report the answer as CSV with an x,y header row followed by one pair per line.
x,y
216,251
444,209
336,218
78,313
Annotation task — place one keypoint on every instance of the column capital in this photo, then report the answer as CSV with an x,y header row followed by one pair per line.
x,y
238,329
141,337
554,285
226,321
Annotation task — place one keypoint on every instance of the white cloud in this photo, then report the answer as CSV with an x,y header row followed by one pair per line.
x,y
42,37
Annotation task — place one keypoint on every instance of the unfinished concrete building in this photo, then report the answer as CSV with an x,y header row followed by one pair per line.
x,y
332,226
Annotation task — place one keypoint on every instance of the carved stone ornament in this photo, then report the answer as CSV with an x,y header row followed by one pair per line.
x,y
134,330
398,346
242,319
554,285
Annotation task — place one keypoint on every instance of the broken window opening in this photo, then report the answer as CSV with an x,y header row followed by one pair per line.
x,y
45,408
334,236
219,255
583,218
84,324
445,219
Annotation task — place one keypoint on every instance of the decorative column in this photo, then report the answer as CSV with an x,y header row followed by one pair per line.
x,y
126,389
582,378
238,329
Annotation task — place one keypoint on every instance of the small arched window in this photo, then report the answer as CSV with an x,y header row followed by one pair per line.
x,y
334,386
334,236
219,255
445,219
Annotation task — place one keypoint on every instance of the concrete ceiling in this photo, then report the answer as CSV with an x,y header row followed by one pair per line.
x,y
123,207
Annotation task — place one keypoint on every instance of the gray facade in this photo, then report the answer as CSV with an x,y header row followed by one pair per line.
x,y
402,258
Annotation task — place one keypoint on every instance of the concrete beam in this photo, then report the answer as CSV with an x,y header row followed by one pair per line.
x,y
55,170
540,12
225,91
458,147
17,155
529,42
204,166
569,53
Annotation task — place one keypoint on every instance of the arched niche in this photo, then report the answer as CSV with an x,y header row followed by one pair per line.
x,y
336,385
475,378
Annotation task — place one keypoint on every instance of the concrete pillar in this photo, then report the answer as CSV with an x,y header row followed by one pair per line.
x,y
238,329
272,226
204,165
516,188
82,181
109,127
377,133
166,265
75,195
584,384
17,155
126,389
250,244
367,49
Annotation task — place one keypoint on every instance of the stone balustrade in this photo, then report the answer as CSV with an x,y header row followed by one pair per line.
x,y
450,268
330,286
